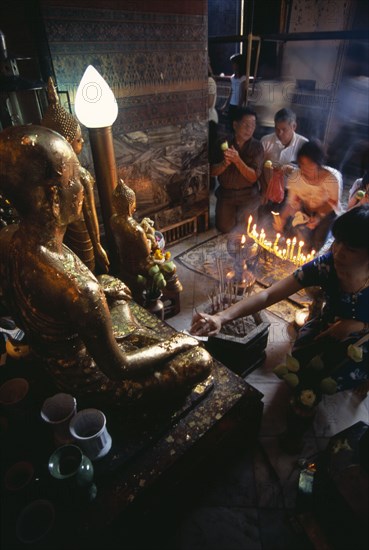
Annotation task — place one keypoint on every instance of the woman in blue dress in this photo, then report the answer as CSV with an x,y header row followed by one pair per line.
x,y
331,351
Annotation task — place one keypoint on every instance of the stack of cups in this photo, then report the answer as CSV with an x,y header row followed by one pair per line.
x,y
86,428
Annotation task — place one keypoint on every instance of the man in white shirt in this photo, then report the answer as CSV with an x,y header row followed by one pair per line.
x,y
280,149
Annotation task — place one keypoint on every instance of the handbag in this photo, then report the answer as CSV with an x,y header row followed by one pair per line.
x,y
275,189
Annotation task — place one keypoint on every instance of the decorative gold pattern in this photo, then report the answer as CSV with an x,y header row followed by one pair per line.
x,y
56,117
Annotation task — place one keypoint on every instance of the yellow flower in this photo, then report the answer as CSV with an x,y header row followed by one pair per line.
x,y
307,398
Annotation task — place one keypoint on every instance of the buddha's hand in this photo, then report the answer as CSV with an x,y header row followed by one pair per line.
x,y
182,341
101,258
114,289
205,325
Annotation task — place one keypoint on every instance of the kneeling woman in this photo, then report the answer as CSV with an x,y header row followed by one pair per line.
x,y
322,351
313,199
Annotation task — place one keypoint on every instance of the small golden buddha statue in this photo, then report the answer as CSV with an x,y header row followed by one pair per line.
x,y
138,249
83,235
133,246
68,315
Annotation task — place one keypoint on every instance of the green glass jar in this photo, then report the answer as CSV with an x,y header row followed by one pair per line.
x,y
74,473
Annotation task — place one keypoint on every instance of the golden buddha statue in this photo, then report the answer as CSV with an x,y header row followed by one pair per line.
x,y
83,235
67,314
138,250
133,246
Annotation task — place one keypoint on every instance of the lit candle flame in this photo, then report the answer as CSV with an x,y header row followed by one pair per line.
x,y
249,223
286,253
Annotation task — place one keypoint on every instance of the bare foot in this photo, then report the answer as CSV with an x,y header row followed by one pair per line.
x,y
362,390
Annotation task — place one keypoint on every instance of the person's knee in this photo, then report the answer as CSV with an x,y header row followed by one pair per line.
x,y
225,220
224,226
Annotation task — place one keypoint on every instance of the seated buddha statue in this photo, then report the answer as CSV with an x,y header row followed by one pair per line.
x,y
69,315
138,250
82,235
133,245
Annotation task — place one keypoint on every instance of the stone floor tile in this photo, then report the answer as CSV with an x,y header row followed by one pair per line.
x,y
233,484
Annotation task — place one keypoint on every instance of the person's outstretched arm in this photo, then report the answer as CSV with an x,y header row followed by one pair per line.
x,y
209,325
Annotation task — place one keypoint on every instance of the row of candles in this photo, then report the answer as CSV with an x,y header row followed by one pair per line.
x,y
292,252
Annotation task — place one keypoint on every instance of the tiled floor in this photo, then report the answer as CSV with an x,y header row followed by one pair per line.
x,y
251,503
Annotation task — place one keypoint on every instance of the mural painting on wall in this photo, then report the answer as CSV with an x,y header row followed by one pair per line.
x,y
156,67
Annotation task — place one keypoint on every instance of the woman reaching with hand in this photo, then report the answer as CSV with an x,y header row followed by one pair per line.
x,y
343,276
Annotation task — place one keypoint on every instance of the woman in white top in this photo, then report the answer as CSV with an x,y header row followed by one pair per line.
x,y
238,83
314,198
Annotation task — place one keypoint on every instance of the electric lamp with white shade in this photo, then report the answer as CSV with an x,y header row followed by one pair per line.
x,y
97,109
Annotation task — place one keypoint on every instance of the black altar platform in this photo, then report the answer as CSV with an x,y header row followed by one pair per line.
x,y
150,455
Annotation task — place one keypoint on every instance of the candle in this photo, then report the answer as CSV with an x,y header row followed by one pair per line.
x,y
301,244
277,237
249,224
228,287
292,247
243,240
288,247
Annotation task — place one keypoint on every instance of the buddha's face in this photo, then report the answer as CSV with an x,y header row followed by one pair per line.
x,y
77,143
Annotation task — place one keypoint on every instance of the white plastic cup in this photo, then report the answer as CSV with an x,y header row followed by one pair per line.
x,y
88,429
57,411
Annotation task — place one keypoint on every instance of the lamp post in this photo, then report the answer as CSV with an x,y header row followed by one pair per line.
x,y
97,109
